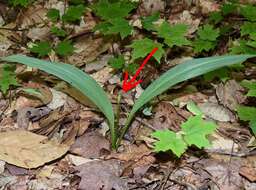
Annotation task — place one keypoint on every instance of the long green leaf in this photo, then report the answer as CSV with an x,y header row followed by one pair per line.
x,y
75,77
180,73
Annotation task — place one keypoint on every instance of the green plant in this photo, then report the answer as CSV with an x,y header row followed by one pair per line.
x,y
194,132
113,14
22,3
41,48
95,93
246,113
7,77
207,38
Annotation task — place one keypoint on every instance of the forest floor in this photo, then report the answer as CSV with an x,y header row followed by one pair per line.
x,y
52,137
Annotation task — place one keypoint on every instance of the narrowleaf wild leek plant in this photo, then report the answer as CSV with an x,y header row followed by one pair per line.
x,y
89,87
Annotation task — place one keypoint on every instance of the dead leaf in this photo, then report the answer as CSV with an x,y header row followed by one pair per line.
x,y
148,7
230,94
39,33
28,114
46,171
28,150
87,50
131,153
2,165
78,160
58,99
225,175
103,75
33,15
168,117
249,172
90,145
216,112
43,97
101,175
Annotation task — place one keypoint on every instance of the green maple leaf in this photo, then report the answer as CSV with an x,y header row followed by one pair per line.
x,y
248,28
132,68
141,48
109,11
242,47
148,22
195,130
23,3
246,113
173,35
41,48
73,13
120,26
203,45
58,31
64,48
117,62
53,14
7,77
216,17
228,8
207,32
169,140
249,12
251,85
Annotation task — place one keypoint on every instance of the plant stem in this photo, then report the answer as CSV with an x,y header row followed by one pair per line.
x,y
125,128
113,129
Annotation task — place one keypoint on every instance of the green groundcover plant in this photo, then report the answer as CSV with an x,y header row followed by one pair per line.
x,y
90,88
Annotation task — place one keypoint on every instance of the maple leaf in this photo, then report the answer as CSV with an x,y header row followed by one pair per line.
x,y
73,13
41,48
207,32
117,62
249,12
169,140
251,86
173,35
64,48
246,113
58,31
248,28
195,130
109,11
7,77
201,45
121,26
242,47
53,14
23,3
148,22
216,17
141,48
228,8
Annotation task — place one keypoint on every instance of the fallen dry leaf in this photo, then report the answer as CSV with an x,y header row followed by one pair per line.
x,y
131,153
90,145
230,94
28,150
101,175
168,116
216,112
249,172
87,50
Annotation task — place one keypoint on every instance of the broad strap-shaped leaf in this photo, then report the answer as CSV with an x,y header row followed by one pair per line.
x,y
75,77
182,72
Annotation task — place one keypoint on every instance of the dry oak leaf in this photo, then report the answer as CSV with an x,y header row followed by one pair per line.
x,y
28,150
103,175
